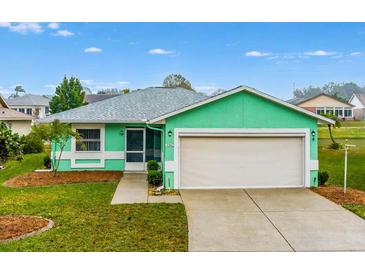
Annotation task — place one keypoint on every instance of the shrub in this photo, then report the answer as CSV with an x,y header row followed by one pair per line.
x,y
32,144
47,162
335,146
322,177
154,177
153,165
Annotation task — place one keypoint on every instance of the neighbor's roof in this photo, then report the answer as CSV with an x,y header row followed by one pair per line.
x,y
243,89
29,100
7,114
134,107
3,102
93,98
298,101
360,96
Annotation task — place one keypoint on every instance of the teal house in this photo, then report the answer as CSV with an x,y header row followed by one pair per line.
x,y
242,138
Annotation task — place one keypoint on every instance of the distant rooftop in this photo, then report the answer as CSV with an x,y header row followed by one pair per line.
x,y
93,98
29,100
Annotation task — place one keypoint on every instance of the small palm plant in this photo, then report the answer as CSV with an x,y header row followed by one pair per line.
x,y
337,124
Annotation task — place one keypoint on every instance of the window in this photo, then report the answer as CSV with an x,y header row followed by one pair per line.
x,y
329,110
29,111
348,112
320,111
47,110
22,110
14,109
89,140
339,112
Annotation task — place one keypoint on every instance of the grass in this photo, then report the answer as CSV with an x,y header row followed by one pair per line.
x,y
342,132
332,161
85,220
357,209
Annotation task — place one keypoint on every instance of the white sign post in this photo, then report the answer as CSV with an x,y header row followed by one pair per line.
x,y
345,173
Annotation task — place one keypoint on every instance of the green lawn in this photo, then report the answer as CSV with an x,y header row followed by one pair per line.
x,y
85,220
342,132
348,124
357,209
332,161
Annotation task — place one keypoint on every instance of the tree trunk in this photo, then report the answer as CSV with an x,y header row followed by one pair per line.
x,y
330,131
58,161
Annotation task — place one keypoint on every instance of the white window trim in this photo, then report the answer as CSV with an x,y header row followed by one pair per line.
x,y
269,132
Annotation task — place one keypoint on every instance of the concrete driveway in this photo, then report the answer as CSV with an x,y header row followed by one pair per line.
x,y
269,220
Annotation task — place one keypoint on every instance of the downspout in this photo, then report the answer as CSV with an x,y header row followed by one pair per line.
x,y
162,150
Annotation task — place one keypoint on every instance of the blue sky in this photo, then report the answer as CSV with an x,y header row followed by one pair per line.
x,y
267,56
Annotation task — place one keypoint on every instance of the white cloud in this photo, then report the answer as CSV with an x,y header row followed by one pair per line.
x,y
5,24
256,53
64,33
24,28
50,86
207,89
53,25
93,50
159,51
355,53
319,53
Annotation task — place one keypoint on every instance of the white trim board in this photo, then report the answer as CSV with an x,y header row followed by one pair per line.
x,y
243,89
268,132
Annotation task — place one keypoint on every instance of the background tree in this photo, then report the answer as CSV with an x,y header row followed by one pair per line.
x,y
343,91
57,134
10,145
18,89
177,80
69,95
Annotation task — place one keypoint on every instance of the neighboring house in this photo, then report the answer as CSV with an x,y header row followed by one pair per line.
x,y
18,122
239,138
323,104
92,98
358,100
31,104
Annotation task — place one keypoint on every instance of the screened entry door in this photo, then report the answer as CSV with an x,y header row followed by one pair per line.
x,y
135,149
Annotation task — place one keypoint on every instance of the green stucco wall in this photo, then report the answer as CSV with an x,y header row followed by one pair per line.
x,y
240,110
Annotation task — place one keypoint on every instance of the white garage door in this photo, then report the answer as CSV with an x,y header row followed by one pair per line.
x,y
226,162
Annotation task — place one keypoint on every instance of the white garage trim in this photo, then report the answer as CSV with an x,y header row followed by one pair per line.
x,y
244,132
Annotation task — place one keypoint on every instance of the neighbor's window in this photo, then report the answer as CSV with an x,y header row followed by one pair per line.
x,y
329,110
89,140
339,112
29,111
348,112
47,110
22,110
320,111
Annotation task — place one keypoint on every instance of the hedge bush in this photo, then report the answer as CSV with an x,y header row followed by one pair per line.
x,y
153,165
154,177
322,177
32,144
47,162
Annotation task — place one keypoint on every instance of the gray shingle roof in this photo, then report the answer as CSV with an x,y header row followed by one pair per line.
x,y
93,98
29,100
136,106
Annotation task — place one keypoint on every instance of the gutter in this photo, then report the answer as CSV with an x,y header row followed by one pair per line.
x,y
162,149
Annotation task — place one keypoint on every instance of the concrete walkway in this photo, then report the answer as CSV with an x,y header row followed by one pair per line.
x,y
132,188
269,220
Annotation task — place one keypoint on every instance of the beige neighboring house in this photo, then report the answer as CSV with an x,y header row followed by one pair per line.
x,y
358,100
324,103
18,122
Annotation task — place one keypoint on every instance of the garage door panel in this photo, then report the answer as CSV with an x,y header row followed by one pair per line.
x,y
241,162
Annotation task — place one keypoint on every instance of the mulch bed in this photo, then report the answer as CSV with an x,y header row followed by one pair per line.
x,y
69,177
152,191
18,227
335,194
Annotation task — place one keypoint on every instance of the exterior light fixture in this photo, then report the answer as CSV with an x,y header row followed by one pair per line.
x,y
122,132
169,133
313,133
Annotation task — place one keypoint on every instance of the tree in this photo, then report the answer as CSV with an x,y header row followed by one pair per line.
x,y
10,145
69,95
58,134
342,91
177,80
18,89
336,125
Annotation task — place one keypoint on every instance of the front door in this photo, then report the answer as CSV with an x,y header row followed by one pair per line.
x,y
135,149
